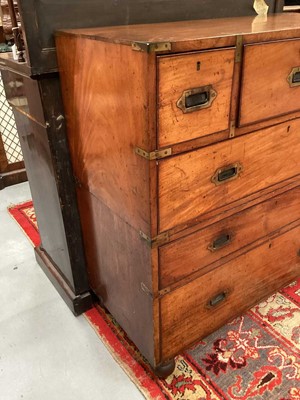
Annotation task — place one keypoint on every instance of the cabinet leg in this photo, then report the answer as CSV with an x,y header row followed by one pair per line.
x,y
165,369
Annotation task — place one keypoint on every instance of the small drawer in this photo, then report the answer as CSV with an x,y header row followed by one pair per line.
x,y
197,309
270,81
203,180
196,251
194,93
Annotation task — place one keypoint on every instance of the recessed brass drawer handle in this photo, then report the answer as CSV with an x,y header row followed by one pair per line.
x,y
294,77
226,174
216,300
221,241
196,99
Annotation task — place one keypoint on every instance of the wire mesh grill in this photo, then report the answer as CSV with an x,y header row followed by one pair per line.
x,y
8,130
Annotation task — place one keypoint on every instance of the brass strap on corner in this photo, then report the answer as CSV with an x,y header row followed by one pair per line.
x,y
157,240
232,128
151,47
153,155
239,49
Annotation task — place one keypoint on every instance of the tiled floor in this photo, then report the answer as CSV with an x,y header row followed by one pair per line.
x,y
45,352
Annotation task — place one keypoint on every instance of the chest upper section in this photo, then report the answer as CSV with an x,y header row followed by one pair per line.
x,y
195,82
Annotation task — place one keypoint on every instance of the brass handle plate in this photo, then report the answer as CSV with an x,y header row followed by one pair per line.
x,y
218,299
294,77
226,174
224,239
196,99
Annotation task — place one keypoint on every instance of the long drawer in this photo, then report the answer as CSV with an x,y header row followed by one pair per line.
x,y
193,183
197,251
202,306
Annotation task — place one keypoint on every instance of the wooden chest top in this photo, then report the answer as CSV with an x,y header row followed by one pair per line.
x,y
188,32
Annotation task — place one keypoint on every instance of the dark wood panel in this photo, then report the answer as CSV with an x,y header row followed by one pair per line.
x,y
37,157
50,94
78,303
12,177
187,314
39,118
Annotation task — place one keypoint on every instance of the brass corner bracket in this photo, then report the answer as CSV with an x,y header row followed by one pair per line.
x,y
153,155
232,128
157,240
239,49
151,47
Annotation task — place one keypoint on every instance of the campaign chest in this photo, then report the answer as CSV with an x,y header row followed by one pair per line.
x,y
185,145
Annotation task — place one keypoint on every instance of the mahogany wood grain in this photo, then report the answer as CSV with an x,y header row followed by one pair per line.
x,y
192,253
199,142
220,136
185,186
265,90
186,315
237,206
117,99
226,259
118,274
191,71
109,113
242,130
188,35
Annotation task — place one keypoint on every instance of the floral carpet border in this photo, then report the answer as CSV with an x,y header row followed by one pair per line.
x,y
24,215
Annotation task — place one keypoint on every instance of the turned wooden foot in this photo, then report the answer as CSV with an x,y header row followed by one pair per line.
x,y
165,369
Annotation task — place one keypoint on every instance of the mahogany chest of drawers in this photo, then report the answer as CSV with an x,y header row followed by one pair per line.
x,y
185,144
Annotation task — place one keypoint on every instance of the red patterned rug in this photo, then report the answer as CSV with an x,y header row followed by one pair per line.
x,y
25,216
256,356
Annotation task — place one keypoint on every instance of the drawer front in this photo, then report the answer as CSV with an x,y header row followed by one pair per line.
x,y
196,251
202,306
268,89
207,179
194,93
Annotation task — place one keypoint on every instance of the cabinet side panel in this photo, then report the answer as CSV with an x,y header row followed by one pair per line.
x,y
41,176
107,104
119,270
